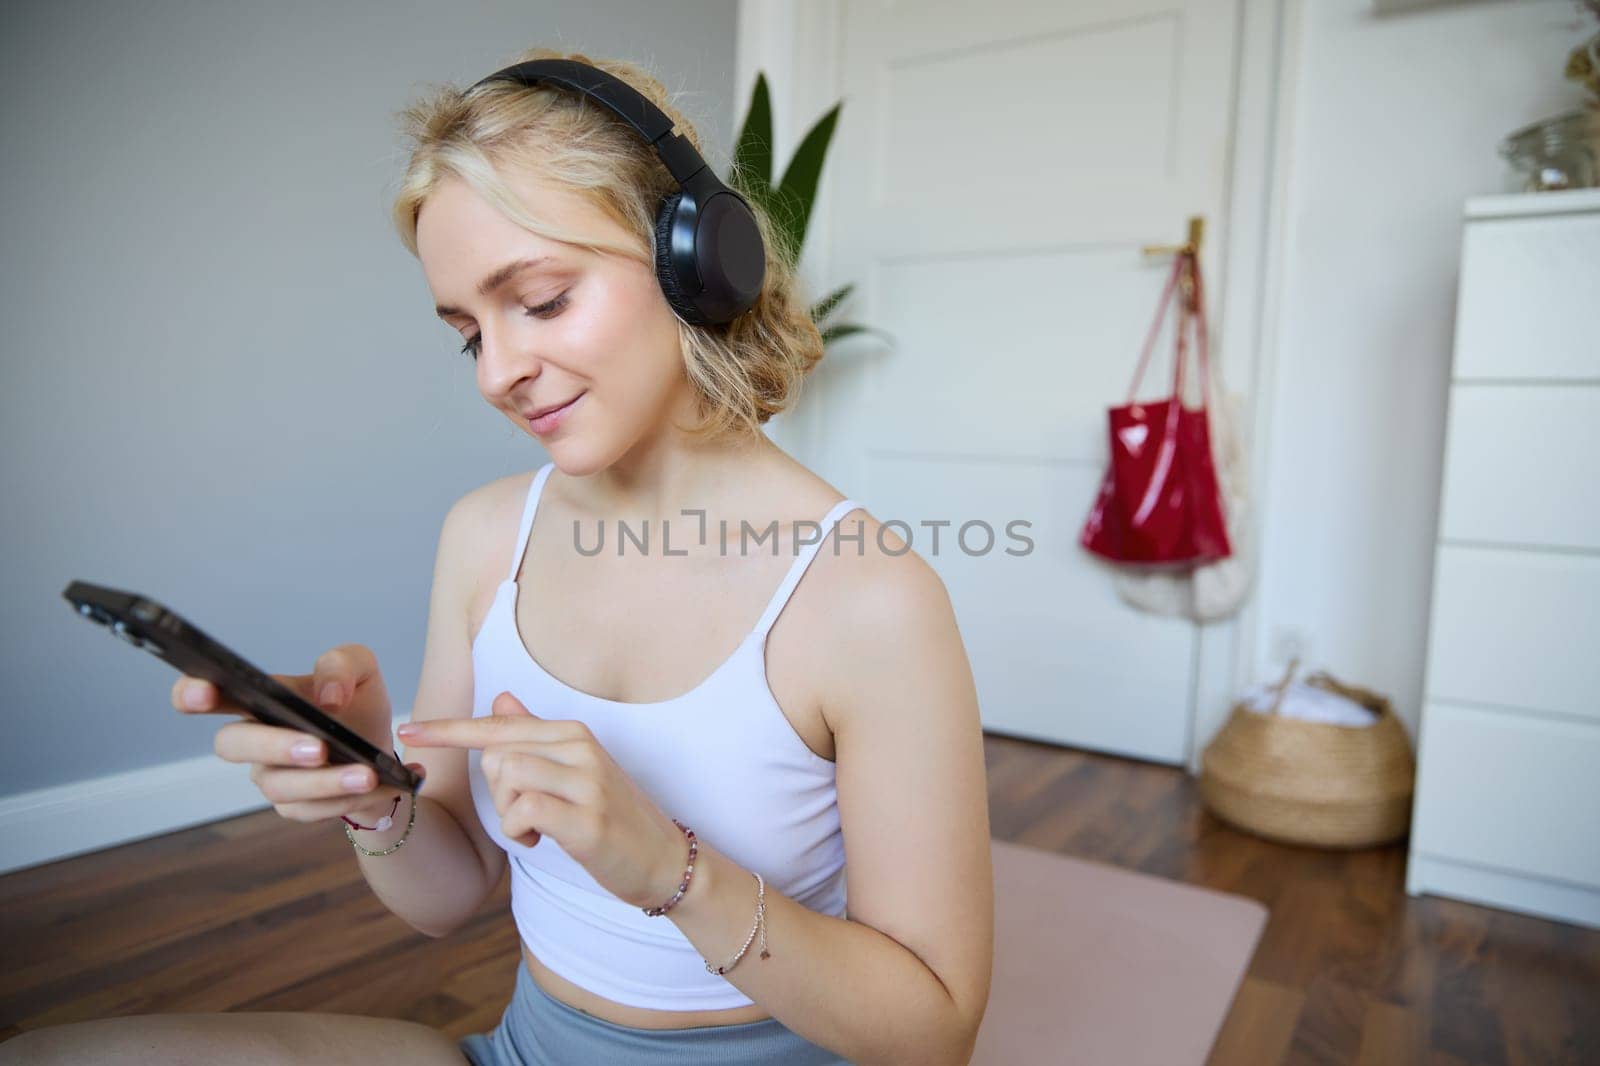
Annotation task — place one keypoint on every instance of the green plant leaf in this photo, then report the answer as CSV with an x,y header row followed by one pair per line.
x,y
833,333
824,307
752,153
788,223
789,204
798,189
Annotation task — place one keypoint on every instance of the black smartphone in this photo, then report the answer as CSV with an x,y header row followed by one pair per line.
x,y
164,633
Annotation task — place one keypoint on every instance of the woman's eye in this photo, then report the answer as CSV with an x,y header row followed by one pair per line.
x,y
544,310
551,309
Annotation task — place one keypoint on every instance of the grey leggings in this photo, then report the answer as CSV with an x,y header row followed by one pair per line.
x,y
539,1030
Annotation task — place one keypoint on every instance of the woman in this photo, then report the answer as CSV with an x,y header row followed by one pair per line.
x,y
675,815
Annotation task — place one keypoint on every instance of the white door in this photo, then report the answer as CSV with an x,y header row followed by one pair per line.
x,y
996,170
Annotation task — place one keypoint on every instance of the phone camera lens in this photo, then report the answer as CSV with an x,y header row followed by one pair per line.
x,y
90,611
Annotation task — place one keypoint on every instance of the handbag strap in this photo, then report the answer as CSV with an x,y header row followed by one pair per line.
x,y
1155,326
1202,337
1188,317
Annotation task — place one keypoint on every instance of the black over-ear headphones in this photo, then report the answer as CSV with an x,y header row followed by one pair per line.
x,y
710,260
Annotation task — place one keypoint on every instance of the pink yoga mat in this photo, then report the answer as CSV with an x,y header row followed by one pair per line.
x,y
1099,966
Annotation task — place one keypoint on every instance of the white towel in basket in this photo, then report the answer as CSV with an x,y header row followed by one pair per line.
x,y
1310,703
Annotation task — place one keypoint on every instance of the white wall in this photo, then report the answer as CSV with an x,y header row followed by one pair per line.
x,y
1396,120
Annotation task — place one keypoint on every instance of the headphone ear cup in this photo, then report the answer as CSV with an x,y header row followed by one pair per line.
x,y
666,272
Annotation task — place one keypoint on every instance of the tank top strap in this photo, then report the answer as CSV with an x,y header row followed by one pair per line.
x,y
529,508
802,560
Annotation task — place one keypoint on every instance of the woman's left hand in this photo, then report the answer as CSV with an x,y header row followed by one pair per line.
x,y
554,778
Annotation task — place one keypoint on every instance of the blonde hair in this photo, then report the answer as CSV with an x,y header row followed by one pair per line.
x,y
743,372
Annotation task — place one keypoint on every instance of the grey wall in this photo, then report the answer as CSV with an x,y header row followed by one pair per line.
x,y
224,385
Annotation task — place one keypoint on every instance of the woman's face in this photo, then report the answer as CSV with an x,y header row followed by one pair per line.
x,y
575,326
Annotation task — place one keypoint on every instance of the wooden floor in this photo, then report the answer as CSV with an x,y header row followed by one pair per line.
x,y
258,913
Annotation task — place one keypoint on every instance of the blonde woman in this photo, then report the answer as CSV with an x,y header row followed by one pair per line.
x,y
734,766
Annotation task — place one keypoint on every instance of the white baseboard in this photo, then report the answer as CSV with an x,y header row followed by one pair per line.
x,y
1559,901
65,820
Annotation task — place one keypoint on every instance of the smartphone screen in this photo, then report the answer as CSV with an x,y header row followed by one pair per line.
x,y
145,623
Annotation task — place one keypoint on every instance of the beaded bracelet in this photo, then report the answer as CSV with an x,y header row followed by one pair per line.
x,y
688,874
761,906
396,845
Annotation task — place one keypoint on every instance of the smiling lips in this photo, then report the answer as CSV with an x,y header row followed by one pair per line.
x,y
542,411
548,418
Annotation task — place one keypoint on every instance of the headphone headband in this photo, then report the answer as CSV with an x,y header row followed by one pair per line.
x,y
710,260
626,102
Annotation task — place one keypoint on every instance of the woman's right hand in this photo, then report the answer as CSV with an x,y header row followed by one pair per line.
x,y
290,767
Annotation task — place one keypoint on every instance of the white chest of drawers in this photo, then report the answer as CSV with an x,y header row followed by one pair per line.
x,y
1507,807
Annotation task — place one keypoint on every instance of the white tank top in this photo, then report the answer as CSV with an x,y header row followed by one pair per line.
x,y
721,758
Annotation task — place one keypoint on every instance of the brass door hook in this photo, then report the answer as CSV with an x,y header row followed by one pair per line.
x,y
1197,227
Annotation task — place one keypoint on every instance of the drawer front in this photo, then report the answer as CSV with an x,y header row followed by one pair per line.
x,y
1528,306
1518,629
1522,465
1509,791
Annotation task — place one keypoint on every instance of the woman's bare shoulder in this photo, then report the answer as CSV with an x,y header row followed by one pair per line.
x,y
487,504
874,576
873,591
861,559
486,520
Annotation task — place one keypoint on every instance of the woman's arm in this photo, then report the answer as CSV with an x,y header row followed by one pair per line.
x,y
905,977
448,866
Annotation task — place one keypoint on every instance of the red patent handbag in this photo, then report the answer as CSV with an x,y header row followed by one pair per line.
x,y
1159,503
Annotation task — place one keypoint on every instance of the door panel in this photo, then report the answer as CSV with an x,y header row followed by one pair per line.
x,y
996,171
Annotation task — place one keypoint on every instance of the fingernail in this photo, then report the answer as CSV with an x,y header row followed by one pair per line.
x,y
354,780
195,696
306,750
408,729
330,692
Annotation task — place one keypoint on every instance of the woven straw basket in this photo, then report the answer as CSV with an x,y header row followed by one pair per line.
x,y
1313,783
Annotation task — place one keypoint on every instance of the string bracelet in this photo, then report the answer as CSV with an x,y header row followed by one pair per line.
x,y
386,822
392,847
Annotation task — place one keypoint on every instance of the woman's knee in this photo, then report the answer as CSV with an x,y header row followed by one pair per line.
x,y
149,1038
260,1038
